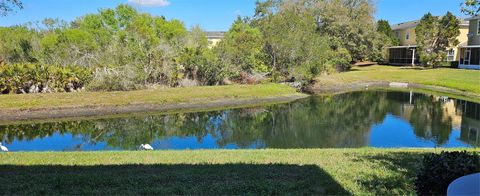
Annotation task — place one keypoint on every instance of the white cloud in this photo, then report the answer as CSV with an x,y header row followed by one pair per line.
x,y
150,3
237,12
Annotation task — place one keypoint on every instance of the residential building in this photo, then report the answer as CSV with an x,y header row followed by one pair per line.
x,y
406,52
470,50
214,37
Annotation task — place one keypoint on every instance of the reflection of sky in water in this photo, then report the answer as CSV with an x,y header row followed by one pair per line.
x,y
374,119
396,132
67,142
57,142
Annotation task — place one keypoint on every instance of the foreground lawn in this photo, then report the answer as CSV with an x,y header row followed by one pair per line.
x,y
459,79
154,96
330,171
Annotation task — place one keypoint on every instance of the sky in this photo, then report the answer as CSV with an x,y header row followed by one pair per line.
x,y
211,15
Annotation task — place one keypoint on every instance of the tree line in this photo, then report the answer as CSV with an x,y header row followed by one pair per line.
x,y
123,49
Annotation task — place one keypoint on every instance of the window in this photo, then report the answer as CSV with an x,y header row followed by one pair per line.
x,y
451,55
407,36
478,27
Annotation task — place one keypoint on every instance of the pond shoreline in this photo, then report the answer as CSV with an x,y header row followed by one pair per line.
x,y
9,116
359,86
12,115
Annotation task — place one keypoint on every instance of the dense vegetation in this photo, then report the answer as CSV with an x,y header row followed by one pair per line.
x,y
439,170
123,49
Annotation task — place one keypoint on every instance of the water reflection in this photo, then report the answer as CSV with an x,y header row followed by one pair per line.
x,y
372,118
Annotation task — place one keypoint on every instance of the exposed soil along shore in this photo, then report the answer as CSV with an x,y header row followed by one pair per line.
x,y
93,111
344,88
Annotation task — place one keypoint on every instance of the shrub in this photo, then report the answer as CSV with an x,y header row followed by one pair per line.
x,y
114,79
439,170
39,78
454,64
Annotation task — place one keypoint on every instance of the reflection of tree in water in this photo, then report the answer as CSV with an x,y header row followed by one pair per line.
x,y
336,121
429,120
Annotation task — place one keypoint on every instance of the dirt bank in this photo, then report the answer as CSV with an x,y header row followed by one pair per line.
x,y
343,88
91,111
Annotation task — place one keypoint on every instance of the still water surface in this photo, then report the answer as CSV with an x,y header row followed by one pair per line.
x,y
359,119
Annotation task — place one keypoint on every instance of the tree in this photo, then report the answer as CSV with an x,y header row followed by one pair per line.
x,y
7,6
293,46
241,48
471,7
434,36
386,37
383,27
348,24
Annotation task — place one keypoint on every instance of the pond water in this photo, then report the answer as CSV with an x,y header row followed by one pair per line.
x,y
359,119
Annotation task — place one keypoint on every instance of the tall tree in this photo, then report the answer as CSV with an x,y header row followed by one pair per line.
x,y
7,6
383,27
434,36
349,24
242,48
471,7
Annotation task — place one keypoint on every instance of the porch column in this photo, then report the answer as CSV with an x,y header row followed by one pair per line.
x,y
413,57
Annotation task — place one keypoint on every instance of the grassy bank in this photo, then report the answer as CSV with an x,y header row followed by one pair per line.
x,y
329,171
458,79
153,96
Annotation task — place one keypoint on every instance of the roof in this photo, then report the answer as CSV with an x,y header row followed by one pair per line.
x,y
411,24
470,46
409,46
215,34
473,17
405,25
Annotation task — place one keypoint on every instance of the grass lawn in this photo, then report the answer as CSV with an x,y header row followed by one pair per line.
x,y
154,96
459,79
330,171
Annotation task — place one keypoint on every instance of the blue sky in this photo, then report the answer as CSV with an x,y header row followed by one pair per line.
x,y
213,15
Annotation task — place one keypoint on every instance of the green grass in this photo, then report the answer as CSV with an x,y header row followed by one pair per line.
x,y
329,171
153,96
459,79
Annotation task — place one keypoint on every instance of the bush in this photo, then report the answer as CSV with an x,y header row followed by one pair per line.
x,y
115,79
439,170
39,78
454,64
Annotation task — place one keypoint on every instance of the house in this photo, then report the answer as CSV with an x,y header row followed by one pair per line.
x,y
214,37
406,52
470,50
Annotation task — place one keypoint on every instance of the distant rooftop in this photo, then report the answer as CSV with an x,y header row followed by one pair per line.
x,y
215,34
411,24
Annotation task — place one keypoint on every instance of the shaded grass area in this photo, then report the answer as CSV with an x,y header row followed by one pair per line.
x,y
237,179
459,79
314,171
152,96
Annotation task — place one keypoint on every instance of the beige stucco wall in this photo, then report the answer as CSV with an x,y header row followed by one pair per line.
x,y
213,42
464,30
462,38
402,35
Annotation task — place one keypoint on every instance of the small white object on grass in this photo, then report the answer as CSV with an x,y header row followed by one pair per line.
x,y
3,148
398,85
146,147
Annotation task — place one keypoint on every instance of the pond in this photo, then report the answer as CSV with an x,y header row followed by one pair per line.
x,y
358,119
